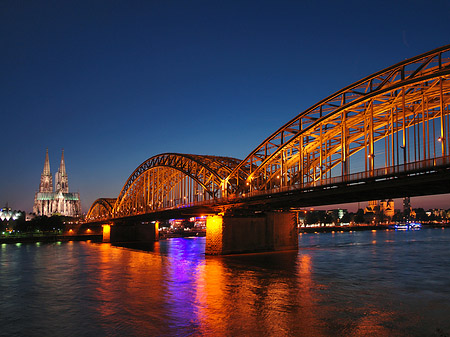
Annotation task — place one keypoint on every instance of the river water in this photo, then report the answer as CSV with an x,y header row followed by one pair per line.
x,y
369,283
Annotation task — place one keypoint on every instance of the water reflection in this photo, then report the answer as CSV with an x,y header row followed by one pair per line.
x,y
337,284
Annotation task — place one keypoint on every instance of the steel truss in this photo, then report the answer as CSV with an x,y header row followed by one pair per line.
x,y
101,209
173,180
394,117
395,120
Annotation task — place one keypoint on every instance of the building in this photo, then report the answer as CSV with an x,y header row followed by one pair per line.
x,y
385,207
59,201
6,213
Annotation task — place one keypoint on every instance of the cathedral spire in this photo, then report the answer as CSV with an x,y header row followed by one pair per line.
x,y
46,171
62,166
46,184
62,183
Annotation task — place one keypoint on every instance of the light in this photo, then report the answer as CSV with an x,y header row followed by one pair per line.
x,y
370,155
214,230
440,139
106,233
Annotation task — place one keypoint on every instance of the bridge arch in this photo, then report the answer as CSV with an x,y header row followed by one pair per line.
x,y
394,118
173,180
100,209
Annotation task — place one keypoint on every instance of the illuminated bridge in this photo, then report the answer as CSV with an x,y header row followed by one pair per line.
x,y
385,136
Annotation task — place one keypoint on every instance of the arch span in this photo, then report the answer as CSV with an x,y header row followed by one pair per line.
x,y
395,117
101,208
173,180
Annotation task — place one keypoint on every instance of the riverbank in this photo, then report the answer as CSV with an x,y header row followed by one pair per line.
x,y
51,238
329,229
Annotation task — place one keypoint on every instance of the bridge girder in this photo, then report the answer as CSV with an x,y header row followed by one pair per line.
x,y
397,105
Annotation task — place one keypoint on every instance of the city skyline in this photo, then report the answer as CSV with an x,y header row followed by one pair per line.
x,y
115,84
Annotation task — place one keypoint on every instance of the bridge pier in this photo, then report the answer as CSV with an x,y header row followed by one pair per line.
x,y
271,231
129,232
106,233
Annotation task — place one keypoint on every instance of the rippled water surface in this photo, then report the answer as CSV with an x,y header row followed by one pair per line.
x,y
384,283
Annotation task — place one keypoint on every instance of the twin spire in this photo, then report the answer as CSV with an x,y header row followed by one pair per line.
x,y
61,180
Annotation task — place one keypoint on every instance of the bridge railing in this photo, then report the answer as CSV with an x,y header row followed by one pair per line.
x,y
360,177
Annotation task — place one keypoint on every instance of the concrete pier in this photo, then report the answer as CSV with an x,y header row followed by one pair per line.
x,y
142,232
271,231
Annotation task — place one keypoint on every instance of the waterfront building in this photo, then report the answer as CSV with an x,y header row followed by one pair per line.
x,y
59,201
6,213
385,207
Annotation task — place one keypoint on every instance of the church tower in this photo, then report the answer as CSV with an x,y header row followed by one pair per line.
x,y
46,184
59,202
62,181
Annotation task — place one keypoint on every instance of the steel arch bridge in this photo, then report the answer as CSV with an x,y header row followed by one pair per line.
x,y
396,120
390,119
102,208
173,180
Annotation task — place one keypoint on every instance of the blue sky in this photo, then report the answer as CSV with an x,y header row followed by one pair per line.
x,y
117,82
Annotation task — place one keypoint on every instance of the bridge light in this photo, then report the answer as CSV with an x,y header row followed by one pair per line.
x,y
278,177
440,139
370,155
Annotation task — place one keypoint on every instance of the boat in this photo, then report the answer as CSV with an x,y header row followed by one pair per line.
x,y
408,226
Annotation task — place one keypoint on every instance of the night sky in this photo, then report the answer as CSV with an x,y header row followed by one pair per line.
x,y
116,82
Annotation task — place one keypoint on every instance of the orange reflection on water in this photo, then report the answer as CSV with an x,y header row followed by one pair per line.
x,y
257,295
372,324
311,312
129,281
210,297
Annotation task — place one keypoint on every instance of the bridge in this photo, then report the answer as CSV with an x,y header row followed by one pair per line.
x,y
384,136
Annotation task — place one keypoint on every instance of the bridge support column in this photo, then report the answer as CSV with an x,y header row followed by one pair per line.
x,y
106,233
273,231
129,232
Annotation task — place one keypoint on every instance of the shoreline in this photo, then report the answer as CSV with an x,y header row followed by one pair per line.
x,y
301,230
52,238
330,229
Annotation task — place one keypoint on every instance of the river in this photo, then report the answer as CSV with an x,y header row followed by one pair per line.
x,y
365,283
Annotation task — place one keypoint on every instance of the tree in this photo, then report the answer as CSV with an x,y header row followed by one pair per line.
x,y
311,218
359,216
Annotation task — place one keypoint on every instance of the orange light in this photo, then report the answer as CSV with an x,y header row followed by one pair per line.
x,y
106,233
214,233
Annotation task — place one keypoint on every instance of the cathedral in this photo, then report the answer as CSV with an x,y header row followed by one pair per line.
x,y
60,201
